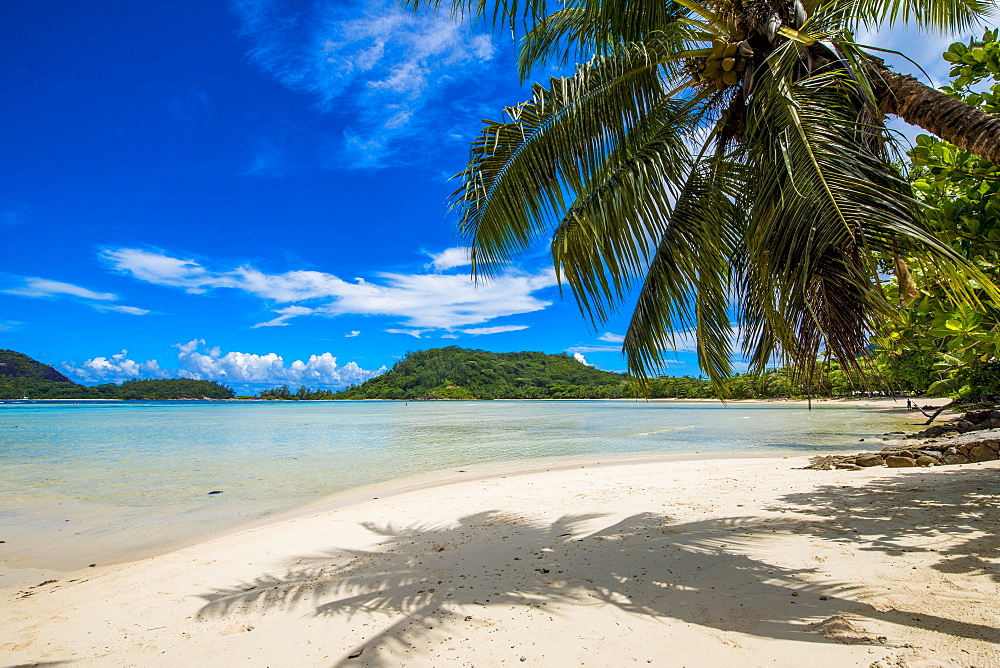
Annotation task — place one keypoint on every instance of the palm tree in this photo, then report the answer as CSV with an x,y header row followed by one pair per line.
x,y
729,155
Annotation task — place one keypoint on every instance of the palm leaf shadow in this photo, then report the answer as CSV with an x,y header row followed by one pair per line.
x,y
433,577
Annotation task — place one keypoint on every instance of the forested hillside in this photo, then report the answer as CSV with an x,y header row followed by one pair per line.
x,y
461,373
21,376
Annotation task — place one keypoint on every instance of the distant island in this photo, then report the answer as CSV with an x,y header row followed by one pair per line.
x,y
461,373
21,376
455,374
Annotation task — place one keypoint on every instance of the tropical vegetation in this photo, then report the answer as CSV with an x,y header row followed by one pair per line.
x,y
715,154
461,373
961,192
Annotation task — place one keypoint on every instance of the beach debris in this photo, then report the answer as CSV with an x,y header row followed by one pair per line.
x,y
356,654
215,491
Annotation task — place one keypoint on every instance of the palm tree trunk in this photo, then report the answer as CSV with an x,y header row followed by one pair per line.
x,y
966,127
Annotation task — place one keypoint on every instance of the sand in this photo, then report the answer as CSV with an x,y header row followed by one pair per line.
x,y
708,562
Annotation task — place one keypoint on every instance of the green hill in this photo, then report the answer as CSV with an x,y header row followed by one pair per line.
x,y
20,375
18,365
460,373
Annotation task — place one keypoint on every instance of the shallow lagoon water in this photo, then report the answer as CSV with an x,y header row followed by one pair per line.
x,y
86,481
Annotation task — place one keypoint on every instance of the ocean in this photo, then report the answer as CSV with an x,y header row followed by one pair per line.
x,y
98,482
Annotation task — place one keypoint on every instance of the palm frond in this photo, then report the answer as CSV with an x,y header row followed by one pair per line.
x,y
581,33
602,244
941,16
523,173
687,286
824,201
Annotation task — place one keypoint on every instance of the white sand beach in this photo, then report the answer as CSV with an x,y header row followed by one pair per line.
x,y
682,562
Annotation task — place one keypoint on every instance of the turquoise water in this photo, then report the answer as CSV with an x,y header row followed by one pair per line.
x,y
102,480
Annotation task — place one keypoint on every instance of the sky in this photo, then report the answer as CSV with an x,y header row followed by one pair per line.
x,y
255,192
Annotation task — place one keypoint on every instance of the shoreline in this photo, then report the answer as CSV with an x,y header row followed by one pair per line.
x,y
388,489
666,562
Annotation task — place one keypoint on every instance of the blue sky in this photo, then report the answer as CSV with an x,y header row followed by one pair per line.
x,y
255,192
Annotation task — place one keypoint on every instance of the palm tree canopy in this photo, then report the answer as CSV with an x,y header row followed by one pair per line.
x,y
718,155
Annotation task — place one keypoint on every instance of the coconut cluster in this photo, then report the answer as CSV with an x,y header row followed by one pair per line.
x,y
726,65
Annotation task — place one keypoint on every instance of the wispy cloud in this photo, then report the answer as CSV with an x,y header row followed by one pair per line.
x,y
43,288
415,333
375,60
477,331
424,301
131,310
14,213
7,325
611,338
196,361
284,314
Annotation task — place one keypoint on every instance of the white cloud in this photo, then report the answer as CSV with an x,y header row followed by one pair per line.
x,y
7,325
162,269
611,338
573,350
476,331
352,334
415,333
426,301
450,258
581,359
284,314
42,287
381,62
131,310
115,368
236,368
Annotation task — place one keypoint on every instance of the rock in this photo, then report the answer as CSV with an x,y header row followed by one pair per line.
x,y
870,460
897,461
963,426
846,466
929,453
955,459
924,460
933,445
982,453
951,434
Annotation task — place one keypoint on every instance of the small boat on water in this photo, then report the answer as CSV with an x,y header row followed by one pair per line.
x,y
23,400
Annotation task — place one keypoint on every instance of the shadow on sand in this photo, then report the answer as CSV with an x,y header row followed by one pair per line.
x,y
428,577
